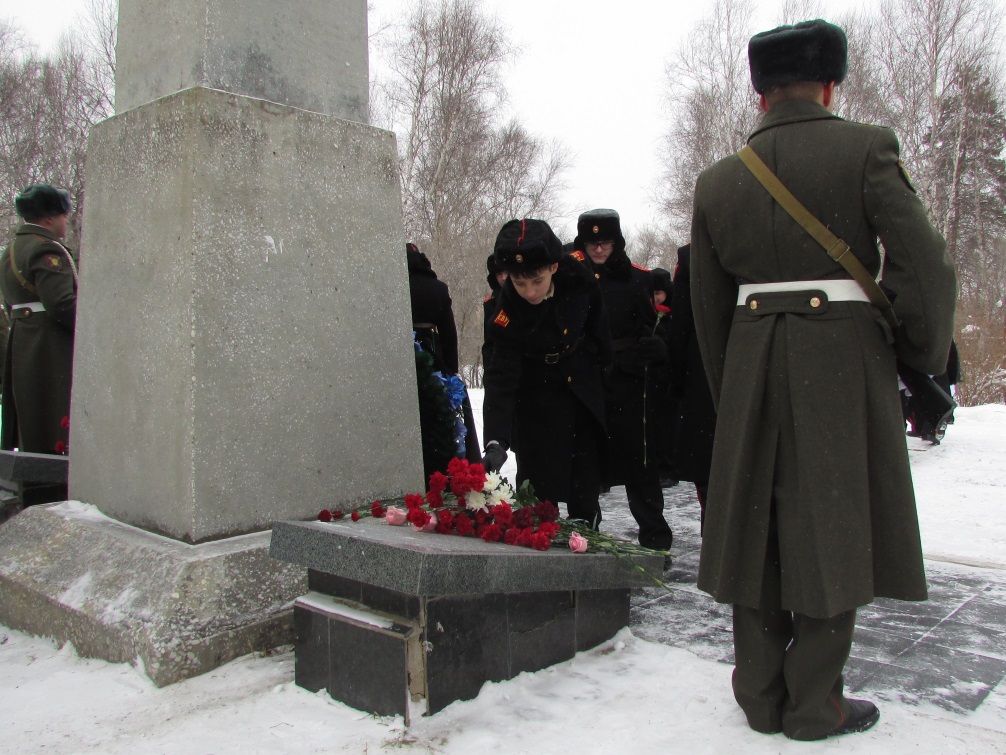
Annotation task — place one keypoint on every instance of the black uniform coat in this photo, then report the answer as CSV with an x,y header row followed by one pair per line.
x,y
693,442
523,393
39,364
628,299
809,419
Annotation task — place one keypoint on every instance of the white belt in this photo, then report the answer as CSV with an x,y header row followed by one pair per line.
x,y
34,306
840,289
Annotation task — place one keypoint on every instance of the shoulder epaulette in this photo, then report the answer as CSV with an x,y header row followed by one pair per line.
x,y
578,255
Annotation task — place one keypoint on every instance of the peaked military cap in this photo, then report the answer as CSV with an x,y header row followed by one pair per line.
x,y
599,225
42,201
807,51
526,245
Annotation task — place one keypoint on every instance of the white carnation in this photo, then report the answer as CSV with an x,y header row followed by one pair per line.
x,y
475,500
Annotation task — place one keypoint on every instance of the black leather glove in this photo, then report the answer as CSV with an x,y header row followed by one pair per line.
x,y
494,457
652,349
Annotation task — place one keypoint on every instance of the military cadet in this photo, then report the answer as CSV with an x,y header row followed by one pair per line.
x,y
811,511
549,341
38,278
629,396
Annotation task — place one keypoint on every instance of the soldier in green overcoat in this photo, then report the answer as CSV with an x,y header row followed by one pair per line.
x,y
811,511
38,279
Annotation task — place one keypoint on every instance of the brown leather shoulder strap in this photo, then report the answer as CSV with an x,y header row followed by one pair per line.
x,y
17,273
837,249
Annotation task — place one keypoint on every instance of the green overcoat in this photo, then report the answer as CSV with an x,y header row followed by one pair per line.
x,y
809,418
36,268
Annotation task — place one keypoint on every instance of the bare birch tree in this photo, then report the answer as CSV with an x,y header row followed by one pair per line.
x,y
464,169
712,107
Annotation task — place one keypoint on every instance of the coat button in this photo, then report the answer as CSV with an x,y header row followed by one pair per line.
x,y
597,275
569,379
753,304
565,331
815,302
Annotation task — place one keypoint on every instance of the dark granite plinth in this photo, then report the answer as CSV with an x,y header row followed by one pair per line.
x,y
394,614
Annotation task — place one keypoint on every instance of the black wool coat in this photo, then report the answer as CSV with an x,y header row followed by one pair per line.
x,y
38,369
631,386
693,441
533,396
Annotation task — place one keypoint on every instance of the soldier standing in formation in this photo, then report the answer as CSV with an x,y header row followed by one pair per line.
x,y
629,396
548,341
811,511
38,278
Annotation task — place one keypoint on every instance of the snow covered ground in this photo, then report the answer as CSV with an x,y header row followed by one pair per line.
x,y
628,695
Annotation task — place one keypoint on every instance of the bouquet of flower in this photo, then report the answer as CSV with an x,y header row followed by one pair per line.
x,y
471,503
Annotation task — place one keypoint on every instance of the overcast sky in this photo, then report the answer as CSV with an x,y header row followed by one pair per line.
x,y
591,74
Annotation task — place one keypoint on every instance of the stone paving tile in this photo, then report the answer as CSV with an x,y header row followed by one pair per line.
x,y
948,651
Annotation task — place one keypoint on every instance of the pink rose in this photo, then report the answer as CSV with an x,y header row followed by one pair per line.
x,y
577,543
395,515
430,526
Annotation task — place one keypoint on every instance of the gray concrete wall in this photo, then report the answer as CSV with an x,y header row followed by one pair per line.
x,y
243,350
311,54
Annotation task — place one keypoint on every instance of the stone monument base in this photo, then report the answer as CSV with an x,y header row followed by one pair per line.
x,y
398,621
128,596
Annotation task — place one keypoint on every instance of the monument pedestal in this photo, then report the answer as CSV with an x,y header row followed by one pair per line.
x,y
397,620
129,596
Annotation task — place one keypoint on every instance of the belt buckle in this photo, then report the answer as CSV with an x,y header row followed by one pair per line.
x,y
552,358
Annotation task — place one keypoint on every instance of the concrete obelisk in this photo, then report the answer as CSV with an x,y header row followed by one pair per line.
x,y
243,349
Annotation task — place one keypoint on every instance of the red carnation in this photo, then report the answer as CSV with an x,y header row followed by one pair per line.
x,y
418,517
463,524
663,309
492,533
502,514
325,515
337,515
438,482
376,510
549,529
65,423
511,535
540,541
445,523
457,466
60,447
524,536
413,501
482,517
547,511
356,515
434,499
523,518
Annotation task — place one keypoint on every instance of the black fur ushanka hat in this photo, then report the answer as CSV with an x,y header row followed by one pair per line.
x,y
807,51
526,245
42,201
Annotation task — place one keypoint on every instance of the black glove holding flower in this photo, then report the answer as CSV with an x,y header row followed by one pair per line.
x,y
652,349
494,457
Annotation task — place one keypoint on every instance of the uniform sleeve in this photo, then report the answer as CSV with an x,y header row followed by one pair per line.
x,y
50,272
714,296
916,265
448,334
502,376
